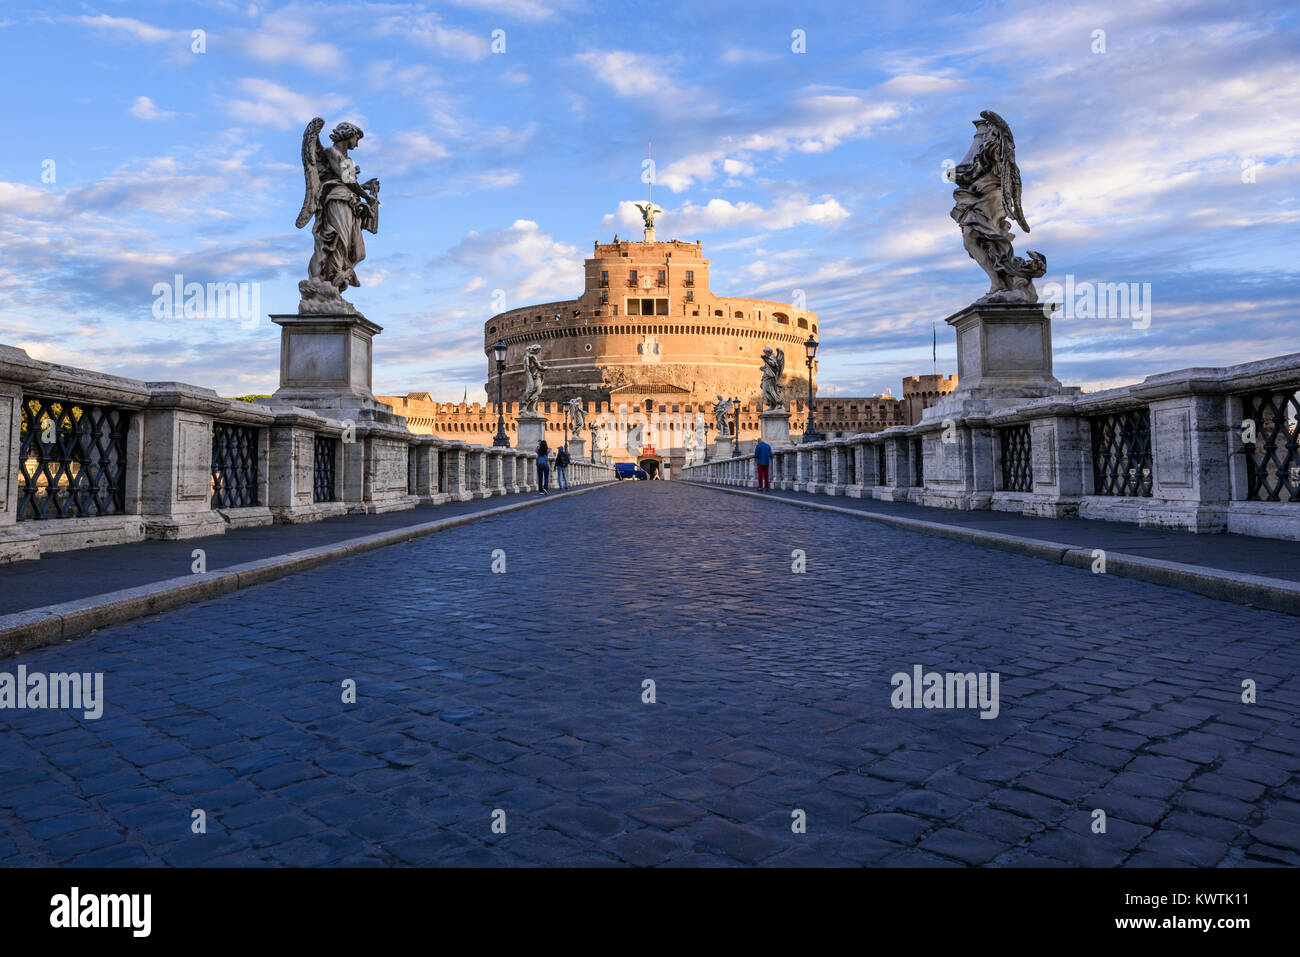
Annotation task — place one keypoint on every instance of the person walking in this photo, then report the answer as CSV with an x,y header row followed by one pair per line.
x,y
763,460
562,468
543,467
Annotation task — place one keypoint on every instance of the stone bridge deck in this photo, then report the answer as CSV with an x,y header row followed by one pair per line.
x,y
523,692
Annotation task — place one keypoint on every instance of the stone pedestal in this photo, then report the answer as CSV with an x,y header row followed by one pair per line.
x,y
1004,355
531,429
722,448
578,450
774,427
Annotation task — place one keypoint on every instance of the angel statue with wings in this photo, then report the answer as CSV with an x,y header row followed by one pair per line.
x,y
577,415
773,369
342,208
987,194
648,211
721,412
534,372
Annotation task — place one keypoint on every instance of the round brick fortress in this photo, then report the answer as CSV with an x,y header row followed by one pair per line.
x,y
648,318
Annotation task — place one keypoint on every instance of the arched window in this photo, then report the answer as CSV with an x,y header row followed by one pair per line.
x,y
803,323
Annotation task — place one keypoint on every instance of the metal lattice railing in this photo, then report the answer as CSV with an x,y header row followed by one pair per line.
x,y
1273,459
324,457
1121,453
234,466
1015,448
71,460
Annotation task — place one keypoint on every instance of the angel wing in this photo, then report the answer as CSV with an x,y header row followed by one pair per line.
x,y
311,150
1010,171
780,363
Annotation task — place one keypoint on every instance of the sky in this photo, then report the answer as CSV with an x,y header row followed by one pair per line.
x,y
805,145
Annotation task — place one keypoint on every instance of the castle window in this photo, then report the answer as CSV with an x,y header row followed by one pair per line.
x,y
803,323
604,277
781,317
740,315
690,277
631,277
718,313
662,278
690,295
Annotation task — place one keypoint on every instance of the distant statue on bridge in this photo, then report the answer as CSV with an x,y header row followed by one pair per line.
x,y
721,412
987,193
342,208
534,372
773,369
577,415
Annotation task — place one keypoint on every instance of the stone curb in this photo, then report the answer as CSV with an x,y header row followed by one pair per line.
x,y
1271,594
51,624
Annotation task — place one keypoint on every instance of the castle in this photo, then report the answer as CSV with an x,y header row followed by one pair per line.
x,y
648,348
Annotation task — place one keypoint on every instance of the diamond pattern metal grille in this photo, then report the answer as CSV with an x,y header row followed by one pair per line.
x,y
322,473
1121,453
1272,460
71,460
1017,459
234,466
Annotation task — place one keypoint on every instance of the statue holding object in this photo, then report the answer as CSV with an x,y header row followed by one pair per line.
x,y
341,209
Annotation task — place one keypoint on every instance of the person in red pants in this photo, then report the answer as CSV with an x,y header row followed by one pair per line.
x,y
763,461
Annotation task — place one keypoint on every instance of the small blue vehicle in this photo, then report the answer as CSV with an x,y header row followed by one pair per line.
x,y
629,470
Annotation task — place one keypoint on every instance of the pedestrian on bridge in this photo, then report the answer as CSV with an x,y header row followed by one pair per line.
x,y
562,468
543,467
762,461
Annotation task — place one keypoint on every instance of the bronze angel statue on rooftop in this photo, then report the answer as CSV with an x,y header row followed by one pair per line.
x,y
342,208
987,194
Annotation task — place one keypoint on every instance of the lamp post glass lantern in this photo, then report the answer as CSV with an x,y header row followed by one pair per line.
x,y
810,433
501,441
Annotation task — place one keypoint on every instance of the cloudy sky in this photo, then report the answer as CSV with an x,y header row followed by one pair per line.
x,y
1157,142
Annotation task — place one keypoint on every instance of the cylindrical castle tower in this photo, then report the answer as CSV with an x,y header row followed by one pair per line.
x,y
647,317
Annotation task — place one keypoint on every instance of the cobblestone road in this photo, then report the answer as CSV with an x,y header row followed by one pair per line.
x,y
523,692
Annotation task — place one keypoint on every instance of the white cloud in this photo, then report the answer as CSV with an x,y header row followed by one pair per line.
x,y
531,266
262,102
632,75
410,150
288,37
144,109
134,29
690,220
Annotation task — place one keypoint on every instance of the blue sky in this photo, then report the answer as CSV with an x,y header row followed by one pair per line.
x,y
1171,158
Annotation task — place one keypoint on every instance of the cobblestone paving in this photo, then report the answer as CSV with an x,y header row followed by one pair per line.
x,y
523,692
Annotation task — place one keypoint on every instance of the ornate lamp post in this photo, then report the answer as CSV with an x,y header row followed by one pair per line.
x,y
591,455
501,441
735,444
810,433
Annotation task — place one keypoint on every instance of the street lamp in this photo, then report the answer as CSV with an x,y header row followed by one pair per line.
x,y
810,433
501,441
735,444
591,455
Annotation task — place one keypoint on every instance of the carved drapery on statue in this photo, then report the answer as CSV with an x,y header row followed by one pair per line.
x,y
534,373
987,194
339,209
577,416
773,369
721,412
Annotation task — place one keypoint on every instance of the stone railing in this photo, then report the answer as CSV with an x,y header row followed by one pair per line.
x,y
93,459
1205,450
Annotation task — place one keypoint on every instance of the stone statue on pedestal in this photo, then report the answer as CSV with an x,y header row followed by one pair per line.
x,y
987,193
577,415
721,412
341,208
773,369
534,372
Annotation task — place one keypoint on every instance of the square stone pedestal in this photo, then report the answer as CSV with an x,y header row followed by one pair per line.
x,y
722,448
774,427
578,450
530,432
